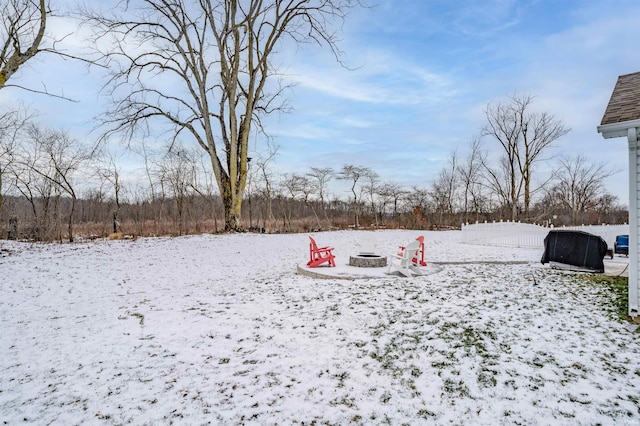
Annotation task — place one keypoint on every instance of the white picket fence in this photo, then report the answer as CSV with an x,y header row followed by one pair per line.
x,y
516,234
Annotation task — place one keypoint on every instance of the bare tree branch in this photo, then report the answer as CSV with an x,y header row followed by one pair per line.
x,y
23,36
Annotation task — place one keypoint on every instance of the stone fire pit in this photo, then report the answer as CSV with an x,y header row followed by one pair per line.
x,y
368,260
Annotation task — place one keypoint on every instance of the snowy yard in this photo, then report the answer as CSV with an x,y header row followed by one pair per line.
x,y
220,329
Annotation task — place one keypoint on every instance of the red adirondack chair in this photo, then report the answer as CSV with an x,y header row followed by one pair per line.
x,y
319,255
420,252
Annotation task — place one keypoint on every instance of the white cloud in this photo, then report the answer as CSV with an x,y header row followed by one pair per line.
x,y
382,78
481,18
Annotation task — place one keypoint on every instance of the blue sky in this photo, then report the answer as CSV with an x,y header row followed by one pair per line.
x,y
423,72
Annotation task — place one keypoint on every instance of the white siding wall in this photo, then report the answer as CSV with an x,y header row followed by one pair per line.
x,y
634,219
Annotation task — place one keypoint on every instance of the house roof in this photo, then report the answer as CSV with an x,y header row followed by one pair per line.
x,y
624,104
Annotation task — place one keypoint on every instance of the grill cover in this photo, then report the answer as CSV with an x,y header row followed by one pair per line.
x,y
574,250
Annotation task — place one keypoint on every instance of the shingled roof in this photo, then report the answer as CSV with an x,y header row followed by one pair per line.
x,y
624,104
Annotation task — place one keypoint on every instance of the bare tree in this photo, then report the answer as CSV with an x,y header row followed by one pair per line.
x,y
370,187
109,171
93,201
177,171
499,181
308,189
44,170
263,164
352,173
204,185
37,190
418,200
470,174
523,135
443,189
150,158
61,158
206,69
503,127
580,185
391,193
321,177
293,185
12,126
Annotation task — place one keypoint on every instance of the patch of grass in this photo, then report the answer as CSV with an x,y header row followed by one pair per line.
x,y
567,414
487,378
456,388
472,338
441,365
385,397
425,414
139,316
415,371
616,292
580,399
341,378
609,362
334,308
511,384
344,400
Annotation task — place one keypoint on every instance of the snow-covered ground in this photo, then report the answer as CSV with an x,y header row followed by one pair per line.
x,y
221,329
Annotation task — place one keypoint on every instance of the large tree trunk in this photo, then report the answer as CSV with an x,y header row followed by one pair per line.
x,y
232,204
514,199
73,209
527,196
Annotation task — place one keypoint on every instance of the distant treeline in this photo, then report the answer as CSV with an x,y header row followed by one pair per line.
x,y
46,219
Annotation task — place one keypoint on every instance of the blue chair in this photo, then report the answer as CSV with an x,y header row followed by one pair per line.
x,y
621,245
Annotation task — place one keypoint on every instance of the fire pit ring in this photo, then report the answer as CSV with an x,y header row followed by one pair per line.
x,y
368,260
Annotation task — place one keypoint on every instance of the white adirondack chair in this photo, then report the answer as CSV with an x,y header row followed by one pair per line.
x,y
403,263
